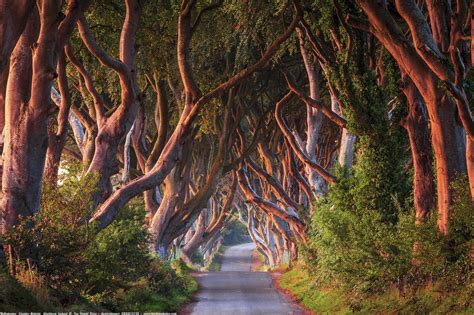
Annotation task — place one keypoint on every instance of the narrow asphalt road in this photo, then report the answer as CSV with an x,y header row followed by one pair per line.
x,y
237,290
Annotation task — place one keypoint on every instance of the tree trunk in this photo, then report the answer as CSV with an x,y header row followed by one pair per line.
x,y
32,65
448,144
113,129
162,216
173,149
470,163
57,136
314,119
416,125
346,148
192,245
446,138
15,164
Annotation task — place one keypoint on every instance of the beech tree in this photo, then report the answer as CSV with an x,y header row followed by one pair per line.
x,y
194,101
27,99
436,63
205,110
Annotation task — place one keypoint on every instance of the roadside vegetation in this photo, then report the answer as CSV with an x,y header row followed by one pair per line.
x,y
61,264
343,271
330,300
216,262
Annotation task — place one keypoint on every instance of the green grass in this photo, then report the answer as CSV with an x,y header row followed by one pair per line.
x,y
140,297
262,267
314,298
14,297
147,301
334,301
171,302
143,298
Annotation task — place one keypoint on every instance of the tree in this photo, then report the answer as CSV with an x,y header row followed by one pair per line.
x,y
27,102
424,59
193,104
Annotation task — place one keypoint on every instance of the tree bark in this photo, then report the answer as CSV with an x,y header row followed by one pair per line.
x,y
172,151
13,18
290,138
446,139
314,118
28,99
346,148
269,207
192,245
112,130
15,164
416,125
57,139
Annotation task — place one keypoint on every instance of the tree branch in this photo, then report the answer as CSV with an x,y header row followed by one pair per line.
x,y
318,104
292,141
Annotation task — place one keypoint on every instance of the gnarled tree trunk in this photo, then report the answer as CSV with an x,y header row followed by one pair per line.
x,y
416,125
446,138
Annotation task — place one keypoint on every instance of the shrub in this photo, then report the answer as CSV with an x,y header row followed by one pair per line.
x,y
162,277
73,255
67,262
357,249
14,297
446,259
118,254
29,278
55,238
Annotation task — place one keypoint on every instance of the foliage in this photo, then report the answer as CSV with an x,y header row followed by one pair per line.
x,y
235,233
29,278
165,288
55,238
80,266
353,248
320,300
446,259
216,261
14,297
330,300
119,253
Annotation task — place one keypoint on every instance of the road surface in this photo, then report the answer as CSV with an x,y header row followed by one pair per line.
x,y
237,290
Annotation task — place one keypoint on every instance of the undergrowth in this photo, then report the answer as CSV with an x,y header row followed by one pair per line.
x,y
355,261
61,262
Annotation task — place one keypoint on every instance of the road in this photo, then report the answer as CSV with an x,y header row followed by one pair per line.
x,y
237,290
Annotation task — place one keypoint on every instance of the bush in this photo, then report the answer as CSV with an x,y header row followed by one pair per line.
x,y
164,289
54,240
14,297
118,254
446,259
63,259
162,277
358,250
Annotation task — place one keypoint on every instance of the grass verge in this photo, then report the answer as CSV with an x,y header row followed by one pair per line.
x,y
335,301
141,296
14,297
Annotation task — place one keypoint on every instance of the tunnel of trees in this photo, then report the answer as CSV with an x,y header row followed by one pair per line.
x,y
135,132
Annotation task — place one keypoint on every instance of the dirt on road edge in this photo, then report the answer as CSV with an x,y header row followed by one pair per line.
x,y
257,265
289,295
